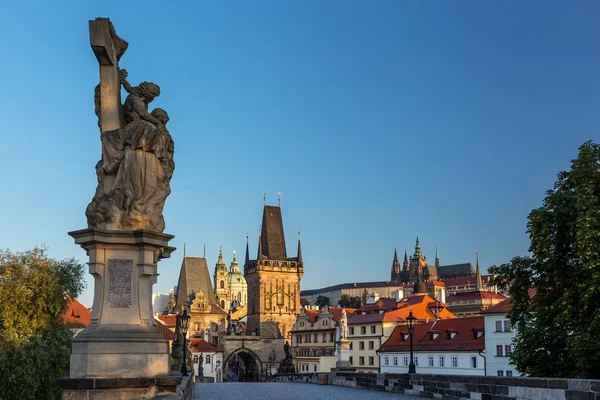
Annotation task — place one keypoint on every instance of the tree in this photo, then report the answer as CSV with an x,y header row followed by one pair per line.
x,y
304,302
322,301
348,301
557,327
35,343
363,297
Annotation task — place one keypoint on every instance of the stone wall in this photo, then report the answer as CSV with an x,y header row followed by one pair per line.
x,y
453,387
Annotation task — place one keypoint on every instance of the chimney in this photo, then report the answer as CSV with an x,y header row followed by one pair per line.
x,y
372,298
398,294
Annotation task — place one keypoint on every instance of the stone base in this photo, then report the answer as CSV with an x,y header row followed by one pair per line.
x,y
121,341
119,350
117,388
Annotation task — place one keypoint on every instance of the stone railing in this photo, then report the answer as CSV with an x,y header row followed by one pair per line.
x,y
455,387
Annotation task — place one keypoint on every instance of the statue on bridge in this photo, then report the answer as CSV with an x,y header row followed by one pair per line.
x,y
287,365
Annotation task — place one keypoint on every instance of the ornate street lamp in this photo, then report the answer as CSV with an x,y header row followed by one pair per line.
x,y
410,320
184,323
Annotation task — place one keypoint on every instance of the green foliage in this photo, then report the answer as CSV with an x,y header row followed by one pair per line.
x,y
363,297
557,329
304,302
348,301
34,341
322,301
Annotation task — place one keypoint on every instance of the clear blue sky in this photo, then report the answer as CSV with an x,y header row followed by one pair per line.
x,y
376,120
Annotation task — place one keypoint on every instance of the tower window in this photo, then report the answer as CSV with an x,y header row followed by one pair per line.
x,y
222,285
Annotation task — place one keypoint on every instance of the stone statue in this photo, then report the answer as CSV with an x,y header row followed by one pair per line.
x,y
287,365
200,368
344,325
137,164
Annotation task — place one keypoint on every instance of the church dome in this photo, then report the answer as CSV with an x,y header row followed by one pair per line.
x,y
234,276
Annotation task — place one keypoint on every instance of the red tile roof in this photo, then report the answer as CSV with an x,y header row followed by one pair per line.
x,y
313,315
170,320
202,346
465,280
422,308
164,330
504,306
474,295
422,340
77,314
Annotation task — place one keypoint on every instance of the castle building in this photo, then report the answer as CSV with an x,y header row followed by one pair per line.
x,y
273,280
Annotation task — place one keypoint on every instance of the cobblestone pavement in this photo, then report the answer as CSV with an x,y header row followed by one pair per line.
x,y
284,391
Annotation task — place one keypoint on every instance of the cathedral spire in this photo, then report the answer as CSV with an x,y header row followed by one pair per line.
x,y
479,282
299,249
220,262
437,257
418,255
259,256
395,267
405,264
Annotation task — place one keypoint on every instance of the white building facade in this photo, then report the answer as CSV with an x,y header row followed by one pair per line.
x,y
499,337
212,360
434,362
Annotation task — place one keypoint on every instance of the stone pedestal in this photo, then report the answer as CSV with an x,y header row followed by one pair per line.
x,y
121,341
343,361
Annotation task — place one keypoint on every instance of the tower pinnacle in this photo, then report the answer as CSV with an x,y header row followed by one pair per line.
x,y
478,282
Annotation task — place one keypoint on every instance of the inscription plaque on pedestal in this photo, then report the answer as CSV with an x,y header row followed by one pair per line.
x,y
119,282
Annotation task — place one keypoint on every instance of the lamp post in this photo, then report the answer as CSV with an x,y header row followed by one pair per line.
x,y
184,323
411,329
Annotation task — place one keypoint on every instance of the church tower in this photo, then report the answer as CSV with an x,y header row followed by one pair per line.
x,y
418,262
221,284
273,280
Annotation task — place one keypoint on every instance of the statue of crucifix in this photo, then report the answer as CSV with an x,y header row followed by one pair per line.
x,y
137,150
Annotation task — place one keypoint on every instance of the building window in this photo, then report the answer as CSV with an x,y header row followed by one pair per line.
x,y
498,326
441,361
324,337
363,330
361,345
316,338
352,330
307,338
431,361
195,359
324,322
208,359
405,361
473,362
508,372
350,345
222,284
373,329
416,361
371,345
506,326
386,360
361,361
454,362
197,326
299,338
507,350
351,362
500,372
395,360
331,336
371,361
499,350
314,368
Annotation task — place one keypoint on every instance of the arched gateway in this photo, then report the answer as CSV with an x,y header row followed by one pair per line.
x,y
243,365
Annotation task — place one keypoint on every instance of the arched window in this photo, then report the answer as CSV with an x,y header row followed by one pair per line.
x,y
239,297
222,284
223,304
196,359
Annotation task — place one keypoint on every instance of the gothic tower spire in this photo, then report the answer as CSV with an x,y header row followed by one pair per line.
x,y
247,260
479,282
405,265
437,258
299,249
395,267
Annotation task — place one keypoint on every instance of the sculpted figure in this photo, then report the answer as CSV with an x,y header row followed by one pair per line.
x,y
286,350
139,159
344,325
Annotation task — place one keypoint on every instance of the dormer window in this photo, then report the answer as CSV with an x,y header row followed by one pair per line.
x,y
477,333
324,322
405,336
451,334
433,335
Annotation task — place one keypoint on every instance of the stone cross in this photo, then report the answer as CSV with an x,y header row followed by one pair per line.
x,y
108,48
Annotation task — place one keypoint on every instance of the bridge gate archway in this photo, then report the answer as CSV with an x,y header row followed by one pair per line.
x,y
243,365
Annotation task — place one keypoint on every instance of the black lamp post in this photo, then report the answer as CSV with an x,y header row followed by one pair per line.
x,y
184,323
411,329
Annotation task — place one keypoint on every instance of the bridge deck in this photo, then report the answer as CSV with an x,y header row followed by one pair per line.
x,y
281,391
